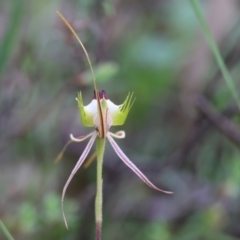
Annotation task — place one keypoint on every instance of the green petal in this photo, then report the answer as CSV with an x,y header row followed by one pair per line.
x,y
120,116
86,117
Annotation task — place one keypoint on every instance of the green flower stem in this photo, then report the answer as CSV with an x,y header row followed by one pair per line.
x,y
98,202
214,49
5,231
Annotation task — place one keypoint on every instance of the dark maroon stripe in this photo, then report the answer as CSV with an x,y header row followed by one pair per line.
x,y
102,133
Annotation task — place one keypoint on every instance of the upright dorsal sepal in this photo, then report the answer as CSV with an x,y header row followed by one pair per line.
x,y
101,131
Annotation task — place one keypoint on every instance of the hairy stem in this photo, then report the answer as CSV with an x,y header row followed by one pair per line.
x,y
5,231
98,201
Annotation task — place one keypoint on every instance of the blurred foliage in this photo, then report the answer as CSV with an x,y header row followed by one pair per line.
x,y
154,48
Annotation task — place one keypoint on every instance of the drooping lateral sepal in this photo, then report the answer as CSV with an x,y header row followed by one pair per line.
x,y
93,136
132,166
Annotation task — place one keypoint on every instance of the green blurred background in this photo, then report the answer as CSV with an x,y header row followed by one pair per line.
x,y
182,131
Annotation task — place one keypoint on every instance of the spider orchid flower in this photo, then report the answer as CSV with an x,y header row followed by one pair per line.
x,y
101,114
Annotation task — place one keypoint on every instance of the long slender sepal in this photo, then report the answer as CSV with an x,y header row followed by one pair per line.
x,y
80,42
77,166
98,201
100,115
127,161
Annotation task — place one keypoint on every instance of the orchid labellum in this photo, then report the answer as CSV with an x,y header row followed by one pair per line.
x,y
101,114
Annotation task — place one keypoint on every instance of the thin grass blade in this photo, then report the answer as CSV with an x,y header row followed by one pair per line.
x,y
215,50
